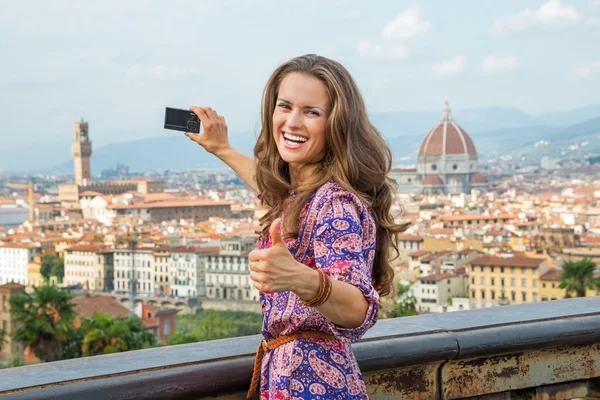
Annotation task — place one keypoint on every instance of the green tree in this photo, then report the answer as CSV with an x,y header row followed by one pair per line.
x,y
2,339
44,320
578,276
137,337
405,305
103,334
52,265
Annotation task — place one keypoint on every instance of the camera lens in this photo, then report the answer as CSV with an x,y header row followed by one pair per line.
x,y
192,125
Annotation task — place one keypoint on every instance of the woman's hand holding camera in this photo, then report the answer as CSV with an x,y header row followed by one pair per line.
x,y
214,139
275,269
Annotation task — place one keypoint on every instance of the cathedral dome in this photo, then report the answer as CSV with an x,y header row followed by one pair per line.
x,y
447,138
478,179
432,180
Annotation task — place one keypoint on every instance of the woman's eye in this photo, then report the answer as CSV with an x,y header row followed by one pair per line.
x,y
283,105
315,113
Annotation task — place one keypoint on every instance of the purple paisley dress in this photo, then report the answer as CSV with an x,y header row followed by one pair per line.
x,y
337,234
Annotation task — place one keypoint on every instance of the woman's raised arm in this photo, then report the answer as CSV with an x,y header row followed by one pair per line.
x,y
215,140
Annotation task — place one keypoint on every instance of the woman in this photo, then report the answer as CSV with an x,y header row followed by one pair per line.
x,y
322,263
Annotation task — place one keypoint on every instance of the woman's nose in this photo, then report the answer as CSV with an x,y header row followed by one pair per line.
x,y
294,119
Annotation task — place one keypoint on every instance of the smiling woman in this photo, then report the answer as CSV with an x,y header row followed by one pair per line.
x,y
323,259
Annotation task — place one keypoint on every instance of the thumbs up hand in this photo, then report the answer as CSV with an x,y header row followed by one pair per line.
x,y
275,269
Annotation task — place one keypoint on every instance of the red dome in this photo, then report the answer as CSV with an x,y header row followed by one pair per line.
x,y
478,179
447,137
432,180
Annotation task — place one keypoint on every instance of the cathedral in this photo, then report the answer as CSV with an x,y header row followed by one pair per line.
x,y
446,163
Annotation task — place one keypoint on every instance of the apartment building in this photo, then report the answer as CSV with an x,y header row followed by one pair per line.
x,y
227,271
140,262
505,280
14,261
434,292
187,271
90,266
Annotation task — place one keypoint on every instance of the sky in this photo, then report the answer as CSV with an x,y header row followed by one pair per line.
x,y
118,63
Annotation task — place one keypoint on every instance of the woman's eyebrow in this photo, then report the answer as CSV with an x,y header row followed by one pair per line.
x,y
305,107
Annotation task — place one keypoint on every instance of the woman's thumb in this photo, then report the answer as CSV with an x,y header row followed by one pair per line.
x,y
275,232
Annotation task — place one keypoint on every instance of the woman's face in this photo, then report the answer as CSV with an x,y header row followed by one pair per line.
x,y
300,119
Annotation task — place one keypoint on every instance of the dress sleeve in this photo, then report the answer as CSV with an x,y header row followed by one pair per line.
x,y
344,247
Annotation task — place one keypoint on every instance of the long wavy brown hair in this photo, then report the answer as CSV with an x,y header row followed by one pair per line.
x,y
356,156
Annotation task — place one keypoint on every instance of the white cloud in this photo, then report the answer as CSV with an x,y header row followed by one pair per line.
x,y
353,14
395,34
406,25
382,50
162,72
494,64
585,71
453,66
551,13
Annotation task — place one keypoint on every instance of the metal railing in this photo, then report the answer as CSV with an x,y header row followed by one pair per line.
x,y
547,350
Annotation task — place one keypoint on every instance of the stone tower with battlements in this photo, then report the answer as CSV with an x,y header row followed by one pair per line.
x,y
82,150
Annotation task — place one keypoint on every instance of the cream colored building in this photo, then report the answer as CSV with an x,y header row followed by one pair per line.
x,y
505,280
434,292
34,275
7,324
90,266
139,262
227,272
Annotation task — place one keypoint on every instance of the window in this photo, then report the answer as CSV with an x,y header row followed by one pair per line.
x,y
512,282
534,283
553,285
535,297
523,282
454,167
149,316
167,327
502,269
512,270
524,296
513,296
483,294
482,280
472,294
472,281
493,295
481,268
493,282
433,167
522,270
491,269
544,285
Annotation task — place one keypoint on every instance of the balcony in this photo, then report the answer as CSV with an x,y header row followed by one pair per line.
x,y
547,350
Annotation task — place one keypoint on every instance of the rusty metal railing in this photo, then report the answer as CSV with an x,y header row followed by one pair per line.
x,y
548,350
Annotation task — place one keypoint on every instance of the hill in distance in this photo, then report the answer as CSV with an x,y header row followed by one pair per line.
x,y
494,130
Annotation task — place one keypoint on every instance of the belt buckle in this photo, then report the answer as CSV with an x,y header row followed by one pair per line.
x,y
265,345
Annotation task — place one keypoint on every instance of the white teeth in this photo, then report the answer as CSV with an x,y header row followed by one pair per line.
x,y
293,137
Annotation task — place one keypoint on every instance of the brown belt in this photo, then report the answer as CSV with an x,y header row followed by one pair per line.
x,y
266,346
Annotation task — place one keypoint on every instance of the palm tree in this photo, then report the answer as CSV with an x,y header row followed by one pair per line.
x,y
103,335
45,320
578,276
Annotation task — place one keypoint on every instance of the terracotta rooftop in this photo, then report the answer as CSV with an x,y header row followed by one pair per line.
x,y
171,203
436,277
551,275
86,307
508,261
93,248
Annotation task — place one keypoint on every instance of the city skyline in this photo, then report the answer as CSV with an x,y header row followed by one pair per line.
x,y
120,65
